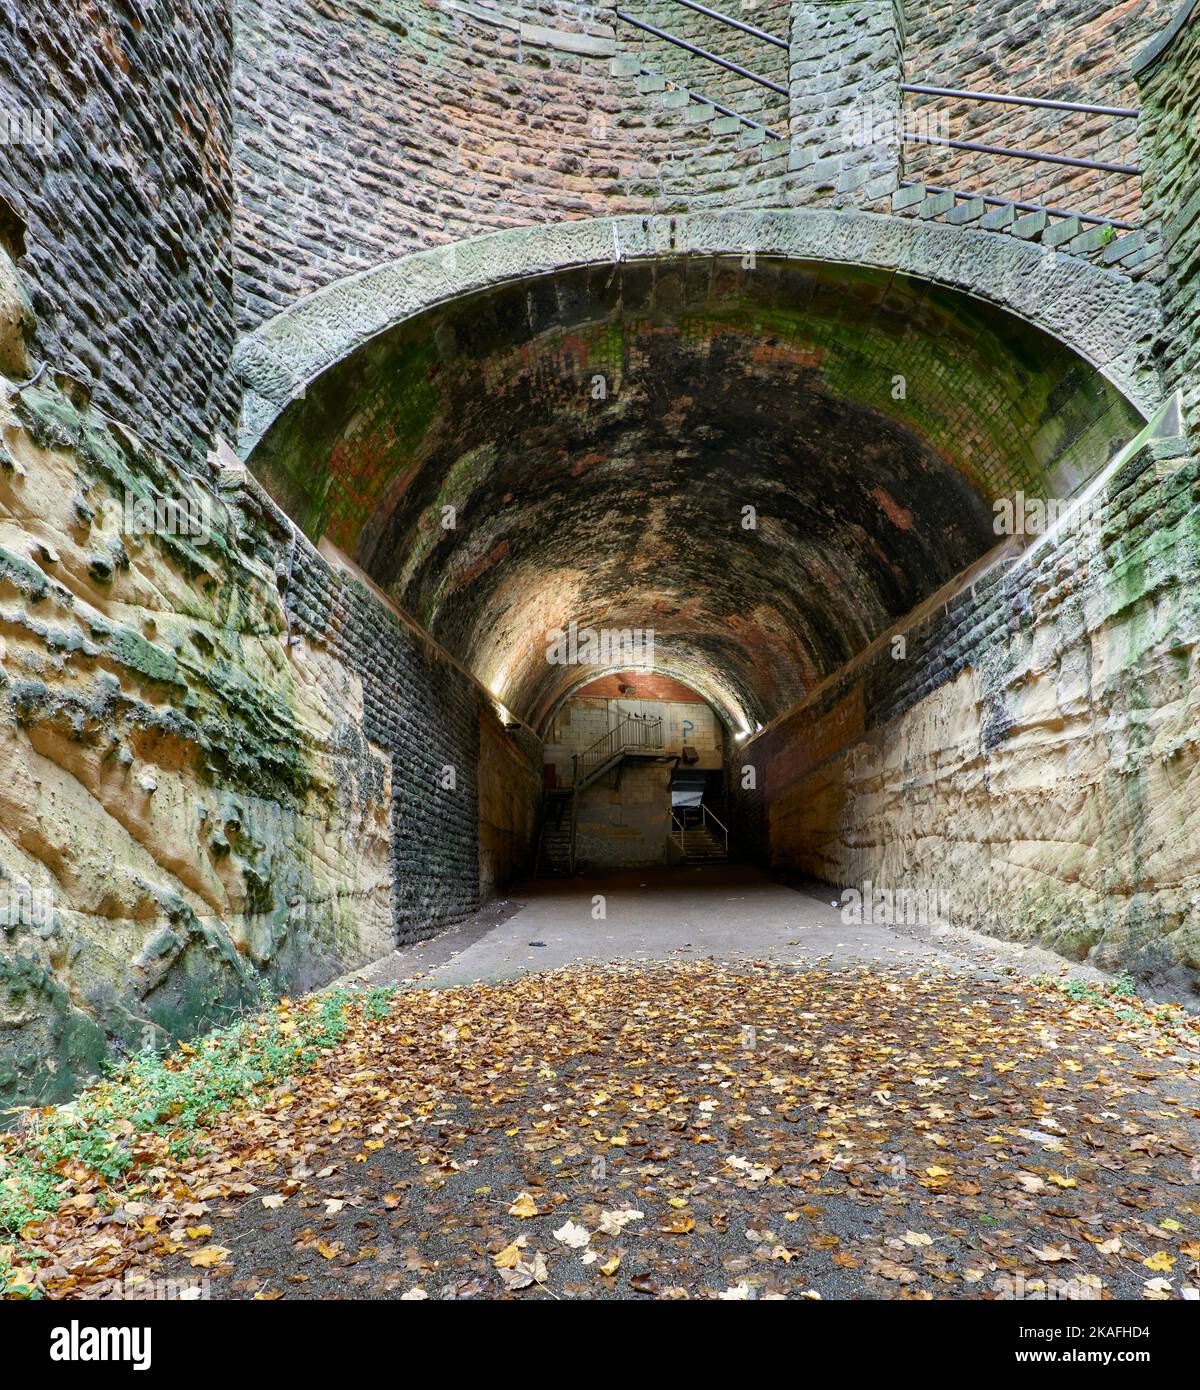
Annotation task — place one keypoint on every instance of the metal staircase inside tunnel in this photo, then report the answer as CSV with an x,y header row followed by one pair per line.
x,y
636,736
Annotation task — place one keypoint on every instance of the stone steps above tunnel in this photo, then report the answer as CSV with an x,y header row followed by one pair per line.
x,y
734,132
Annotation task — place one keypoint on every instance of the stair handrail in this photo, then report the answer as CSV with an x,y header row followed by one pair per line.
x,y
707,816
634,731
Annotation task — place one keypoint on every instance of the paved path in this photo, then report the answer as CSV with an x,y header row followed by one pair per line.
x,y
722,912
718,1090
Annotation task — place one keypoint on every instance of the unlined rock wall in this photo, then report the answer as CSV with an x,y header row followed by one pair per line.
x,y
223,761
1031,748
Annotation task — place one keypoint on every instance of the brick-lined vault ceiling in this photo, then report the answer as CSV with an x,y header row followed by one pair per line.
x,y
599,434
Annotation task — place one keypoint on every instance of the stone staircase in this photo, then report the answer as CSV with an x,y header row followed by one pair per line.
x,y
1098,242
694,109
701,846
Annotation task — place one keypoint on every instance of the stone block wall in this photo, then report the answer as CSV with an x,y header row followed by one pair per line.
x,y
1066,50
585,719
365,133
124,236
845,92
625,826
1169,80
708,79
1030,748
450,794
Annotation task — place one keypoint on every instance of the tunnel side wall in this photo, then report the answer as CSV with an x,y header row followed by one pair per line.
x,y
225,765
1029,750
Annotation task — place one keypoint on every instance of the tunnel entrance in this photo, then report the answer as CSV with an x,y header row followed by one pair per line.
x,y
634,777
791,485
764,466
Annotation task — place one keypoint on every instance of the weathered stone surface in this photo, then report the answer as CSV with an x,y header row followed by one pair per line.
x,y
121,169
1100,314
219,758
1031,752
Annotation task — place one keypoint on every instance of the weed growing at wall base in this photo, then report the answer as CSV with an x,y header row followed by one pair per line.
x,y
170,1099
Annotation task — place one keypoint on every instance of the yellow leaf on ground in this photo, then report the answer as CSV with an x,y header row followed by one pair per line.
x,y
208,1257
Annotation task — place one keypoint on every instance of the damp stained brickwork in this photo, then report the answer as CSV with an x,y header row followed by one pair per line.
x,y
126,236
425,715
765,465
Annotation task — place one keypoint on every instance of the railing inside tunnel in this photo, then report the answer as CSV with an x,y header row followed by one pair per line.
x,y
680,827
635,733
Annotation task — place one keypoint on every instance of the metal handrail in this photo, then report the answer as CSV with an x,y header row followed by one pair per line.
x,y
702,53
705,815
635,730
1008,100
734,23
912,138
710,815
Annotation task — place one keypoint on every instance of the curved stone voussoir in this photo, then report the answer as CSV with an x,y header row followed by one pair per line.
x,y
1105,317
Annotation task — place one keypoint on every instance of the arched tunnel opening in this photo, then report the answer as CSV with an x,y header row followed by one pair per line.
x,y
600,658
756,468
766,467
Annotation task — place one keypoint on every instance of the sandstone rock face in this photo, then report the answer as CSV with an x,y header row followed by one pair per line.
x,y
197,800
1030,750
16,322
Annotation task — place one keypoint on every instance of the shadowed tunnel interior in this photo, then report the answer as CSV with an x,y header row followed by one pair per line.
x,y
766,464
